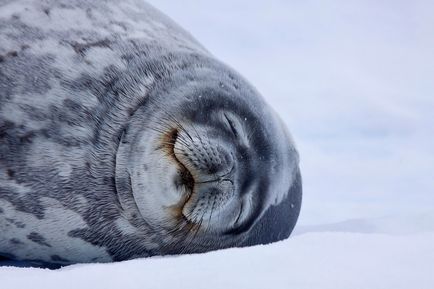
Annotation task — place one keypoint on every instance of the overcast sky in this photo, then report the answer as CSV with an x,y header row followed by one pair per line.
x,y
354,81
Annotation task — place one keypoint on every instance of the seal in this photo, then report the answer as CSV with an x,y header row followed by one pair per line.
x,y
122,137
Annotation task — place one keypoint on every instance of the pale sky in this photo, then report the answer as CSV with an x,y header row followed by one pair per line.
x,y
354,81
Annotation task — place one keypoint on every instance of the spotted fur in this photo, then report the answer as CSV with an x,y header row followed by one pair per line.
x,y
72,74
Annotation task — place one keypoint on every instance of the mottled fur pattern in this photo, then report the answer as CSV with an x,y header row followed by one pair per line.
x,y
71,75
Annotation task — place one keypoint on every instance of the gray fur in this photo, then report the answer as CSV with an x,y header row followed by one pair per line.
x,y
75,79
38,239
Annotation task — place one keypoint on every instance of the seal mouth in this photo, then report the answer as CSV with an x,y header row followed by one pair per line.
x,y
186,177
185,181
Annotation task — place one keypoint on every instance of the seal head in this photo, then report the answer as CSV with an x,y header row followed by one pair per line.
x,y
208,164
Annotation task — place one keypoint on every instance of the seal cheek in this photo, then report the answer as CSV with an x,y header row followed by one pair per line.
x,y
148,180
279,220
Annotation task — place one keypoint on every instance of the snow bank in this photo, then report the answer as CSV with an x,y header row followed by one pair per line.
x,y
312,260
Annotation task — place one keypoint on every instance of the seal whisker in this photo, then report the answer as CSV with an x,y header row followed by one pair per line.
x,y
169,117
210,215
180,125
199,225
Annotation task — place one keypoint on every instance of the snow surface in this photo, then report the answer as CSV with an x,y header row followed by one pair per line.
x,y
354,82
312,260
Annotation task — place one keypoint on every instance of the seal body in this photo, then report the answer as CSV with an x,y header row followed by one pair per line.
x,y
122,137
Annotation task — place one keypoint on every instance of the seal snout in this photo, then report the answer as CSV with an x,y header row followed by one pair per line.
x,y
205,158
211,167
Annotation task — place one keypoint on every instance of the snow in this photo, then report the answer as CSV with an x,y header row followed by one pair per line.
x,y
353,81
311,260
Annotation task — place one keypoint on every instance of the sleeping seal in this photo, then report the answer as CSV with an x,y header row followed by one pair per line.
x,y
122,137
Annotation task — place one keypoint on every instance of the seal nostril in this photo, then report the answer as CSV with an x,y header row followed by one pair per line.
x,y
212,169
187,179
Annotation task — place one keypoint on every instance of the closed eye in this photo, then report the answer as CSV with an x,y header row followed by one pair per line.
x,y
231,125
